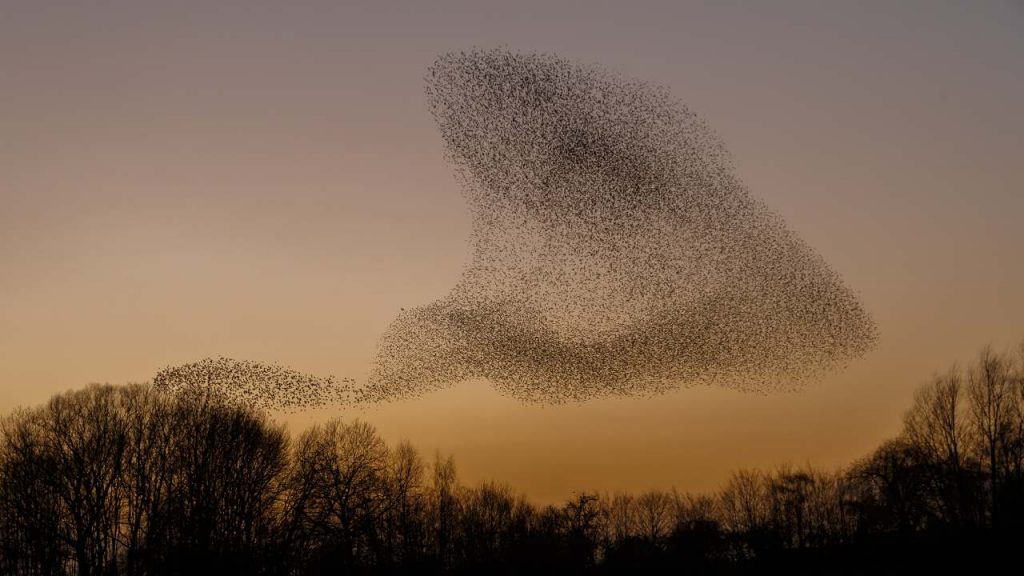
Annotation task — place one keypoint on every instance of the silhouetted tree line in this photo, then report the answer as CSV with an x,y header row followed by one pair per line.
x,y
130,481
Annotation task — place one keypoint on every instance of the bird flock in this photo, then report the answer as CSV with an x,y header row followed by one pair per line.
x,y
254,384
614,251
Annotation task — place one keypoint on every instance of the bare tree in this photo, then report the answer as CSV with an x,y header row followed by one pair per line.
x,y
406,505
337,492
620,514
694,508
83,440
992,403
493,522
147,477
744,501
585,523
443,509
30,522
938,427
655,515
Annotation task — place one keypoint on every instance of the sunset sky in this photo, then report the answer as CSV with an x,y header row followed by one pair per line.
x,y
263,180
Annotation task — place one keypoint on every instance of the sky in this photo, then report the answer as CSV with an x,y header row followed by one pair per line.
x,y
263,180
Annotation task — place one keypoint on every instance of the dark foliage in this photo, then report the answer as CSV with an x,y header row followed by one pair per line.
x,y
131,480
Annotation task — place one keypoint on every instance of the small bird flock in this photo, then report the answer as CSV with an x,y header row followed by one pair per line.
x,y
614,252
254,384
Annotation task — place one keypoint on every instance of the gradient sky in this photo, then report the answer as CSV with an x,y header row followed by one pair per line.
x,y
262,180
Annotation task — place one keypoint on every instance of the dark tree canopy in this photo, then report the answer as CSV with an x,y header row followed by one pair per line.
x,y
132,481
